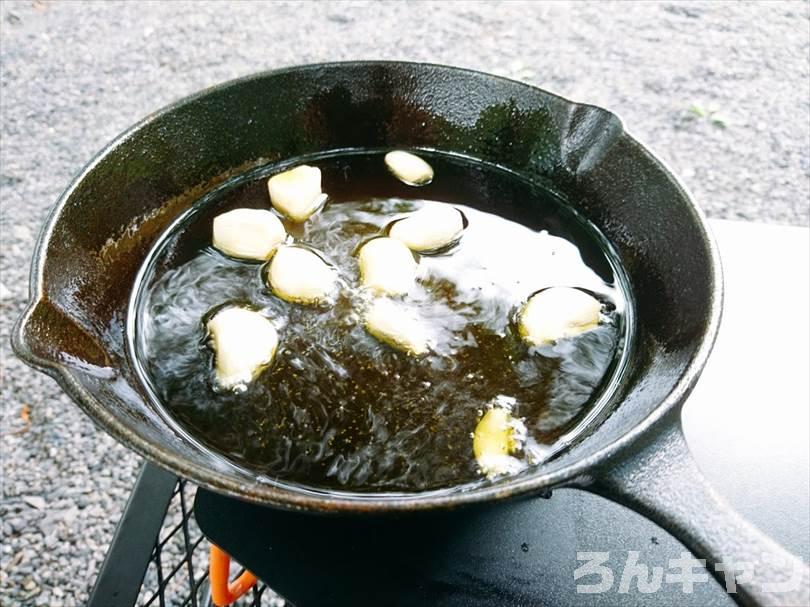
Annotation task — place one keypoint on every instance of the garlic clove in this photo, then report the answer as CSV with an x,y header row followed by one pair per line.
x,y
387,266
296,193
409,168
432,228
557,313
248,233
495,440
394,325
299,275
244,342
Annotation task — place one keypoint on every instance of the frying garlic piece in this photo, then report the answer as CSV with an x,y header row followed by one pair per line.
x,y
557,313
409,168
431,228
244,342
248,233
394,325
496,438
299,275
297,193
387,266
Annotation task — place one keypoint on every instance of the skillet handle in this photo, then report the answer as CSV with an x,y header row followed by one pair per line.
x,y
661,480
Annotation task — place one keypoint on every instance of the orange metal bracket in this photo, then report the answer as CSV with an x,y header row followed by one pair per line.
x,y
222,592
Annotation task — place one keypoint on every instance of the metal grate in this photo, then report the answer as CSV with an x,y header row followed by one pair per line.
x,y
177,574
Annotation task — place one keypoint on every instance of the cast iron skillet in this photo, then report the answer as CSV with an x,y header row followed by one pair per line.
x,y
74,327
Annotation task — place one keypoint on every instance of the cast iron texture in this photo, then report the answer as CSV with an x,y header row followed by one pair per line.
x,y
109,217
661,480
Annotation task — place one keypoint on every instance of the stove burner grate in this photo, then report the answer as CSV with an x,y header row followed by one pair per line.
x,y
159,556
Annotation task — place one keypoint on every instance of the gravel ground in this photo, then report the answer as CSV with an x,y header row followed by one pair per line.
x,y
721,91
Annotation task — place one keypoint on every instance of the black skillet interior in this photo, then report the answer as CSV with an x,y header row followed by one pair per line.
x,y
106,222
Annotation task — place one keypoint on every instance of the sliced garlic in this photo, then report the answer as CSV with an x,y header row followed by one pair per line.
x,y
557,313
409,168
394,325
431,228
495,439
296,193
299,275
387,266
244,342
248,233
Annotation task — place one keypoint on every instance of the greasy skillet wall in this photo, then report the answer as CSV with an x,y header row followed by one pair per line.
x,y
113,215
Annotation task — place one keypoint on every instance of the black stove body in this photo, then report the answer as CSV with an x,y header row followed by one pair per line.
x,y
531,552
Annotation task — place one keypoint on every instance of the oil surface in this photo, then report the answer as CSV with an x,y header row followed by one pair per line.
x,y
337,408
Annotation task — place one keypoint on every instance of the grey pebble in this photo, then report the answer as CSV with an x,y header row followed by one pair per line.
x,y
17,525
34,501
51,541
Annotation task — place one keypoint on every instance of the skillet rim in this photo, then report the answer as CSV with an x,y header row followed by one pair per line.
x,y
576,473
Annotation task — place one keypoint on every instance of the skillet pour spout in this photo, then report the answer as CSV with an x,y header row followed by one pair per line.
x,y
75,327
